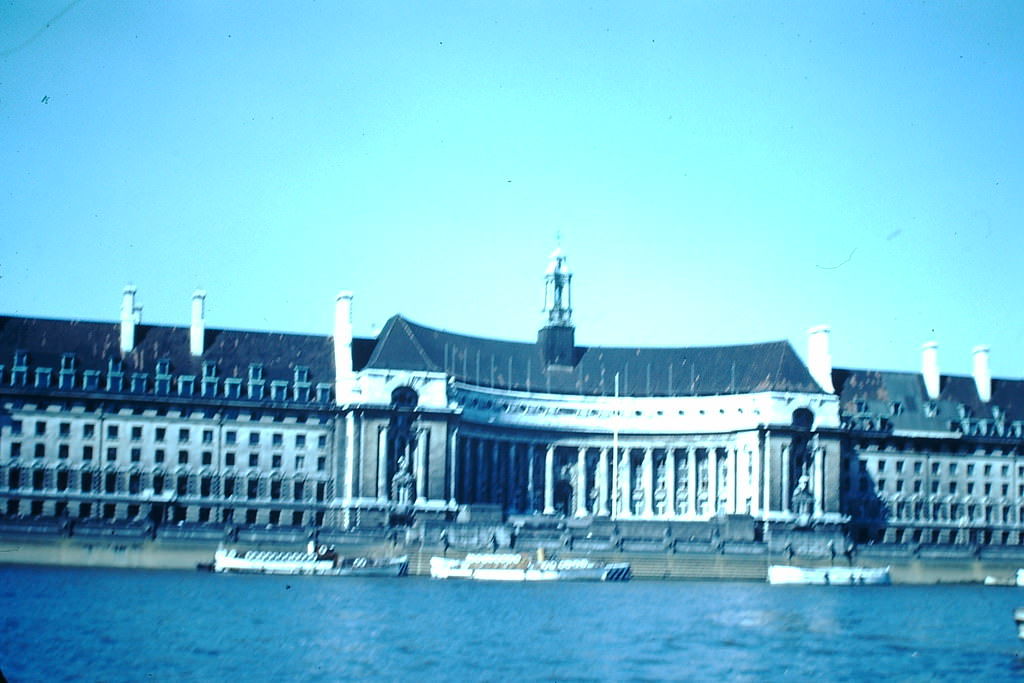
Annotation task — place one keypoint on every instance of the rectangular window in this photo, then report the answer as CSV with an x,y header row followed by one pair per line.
x,y
952,468
254,460
300,462
14,479
161,434
86,482
136,454
254,438
15,427
136,433
158,455
321,463
299,490
229,487
182,487
40,450
158,483
62,480
252,489
300,440
182,457
183,435
277,439
63,451
111,454
275,489
321,490
205,485
229,459
38,477
230,437
111,431
110,483
207,436
86,452
88,430
207,457
15,449
970,469
275,462
64,430
40,428
321,441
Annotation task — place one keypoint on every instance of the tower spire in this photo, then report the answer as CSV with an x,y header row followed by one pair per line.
x,y
558,290
557,337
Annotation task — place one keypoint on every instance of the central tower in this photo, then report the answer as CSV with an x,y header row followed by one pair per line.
x,y
557,338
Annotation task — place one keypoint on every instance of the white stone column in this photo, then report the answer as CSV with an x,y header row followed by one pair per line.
x,y
712,481
350,455
787,488
531,487
581,483
382,464
648,482
819,481
626,482
691,480
420,460
670,482
513,481
496,485
549,481
734,480
766,475
602,483
755,492
453,464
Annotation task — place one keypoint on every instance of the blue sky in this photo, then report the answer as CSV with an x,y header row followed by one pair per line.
x,y
719,172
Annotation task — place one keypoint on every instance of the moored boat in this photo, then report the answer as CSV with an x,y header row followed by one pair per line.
x,y
779,574
520,567
1018,616
318,561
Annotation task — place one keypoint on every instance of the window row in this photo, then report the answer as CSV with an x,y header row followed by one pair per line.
x,y
160,434
183,457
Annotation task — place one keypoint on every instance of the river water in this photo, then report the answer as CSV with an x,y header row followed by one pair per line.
x,y
119,625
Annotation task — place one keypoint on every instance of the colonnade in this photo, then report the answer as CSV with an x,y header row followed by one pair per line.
x,y
643,481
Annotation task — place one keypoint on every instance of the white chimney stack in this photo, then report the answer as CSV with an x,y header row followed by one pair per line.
x,y
343,347
131,315
982,373
819,359
930,368
197,336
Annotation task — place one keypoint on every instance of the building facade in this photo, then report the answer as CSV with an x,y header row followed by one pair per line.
x,y
146,424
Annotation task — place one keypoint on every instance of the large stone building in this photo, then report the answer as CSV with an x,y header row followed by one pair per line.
x,y
150,424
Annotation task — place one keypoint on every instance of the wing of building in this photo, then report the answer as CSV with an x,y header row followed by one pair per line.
x,y
128,422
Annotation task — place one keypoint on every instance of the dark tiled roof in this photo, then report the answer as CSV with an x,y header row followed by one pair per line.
x,y
874,392
95,343
695,371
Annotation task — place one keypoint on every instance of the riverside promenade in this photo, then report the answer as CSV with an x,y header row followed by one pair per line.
x,y
183,547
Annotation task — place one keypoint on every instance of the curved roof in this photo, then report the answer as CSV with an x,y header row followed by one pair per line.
x,y
519,366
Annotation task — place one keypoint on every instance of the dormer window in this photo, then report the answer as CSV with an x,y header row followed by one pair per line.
x,y
255,372
163,366
91,380
42,378
323,392
232,387
21,358
301,373
114,365
138,382
67,362
209,369
279,390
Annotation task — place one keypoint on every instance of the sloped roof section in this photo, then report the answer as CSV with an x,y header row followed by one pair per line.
x,y
95,343
518,366
901,398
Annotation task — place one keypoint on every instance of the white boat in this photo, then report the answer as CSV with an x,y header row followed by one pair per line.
x,y
319,561
519,567
779,574
1018,616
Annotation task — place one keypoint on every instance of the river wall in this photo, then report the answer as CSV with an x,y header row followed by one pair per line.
x,y
908,565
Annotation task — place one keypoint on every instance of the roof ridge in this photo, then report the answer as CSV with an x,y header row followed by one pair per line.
x,y
416,343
